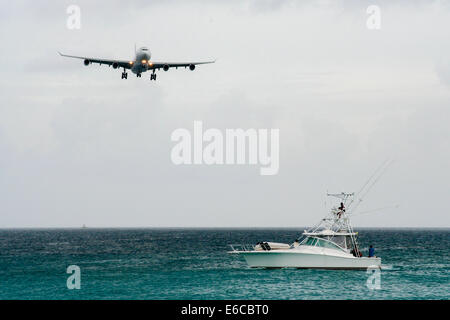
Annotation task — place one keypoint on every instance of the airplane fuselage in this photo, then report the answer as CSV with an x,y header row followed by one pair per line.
x,y
142,61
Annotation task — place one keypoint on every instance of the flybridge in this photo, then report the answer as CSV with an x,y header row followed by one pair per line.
x,y
336,226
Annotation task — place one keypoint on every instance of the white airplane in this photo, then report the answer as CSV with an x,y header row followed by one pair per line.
x,y
140,64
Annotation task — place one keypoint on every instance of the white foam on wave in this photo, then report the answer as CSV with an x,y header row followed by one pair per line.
x,y
387,267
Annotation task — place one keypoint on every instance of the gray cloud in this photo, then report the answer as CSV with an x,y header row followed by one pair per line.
x,y
443,70
80,145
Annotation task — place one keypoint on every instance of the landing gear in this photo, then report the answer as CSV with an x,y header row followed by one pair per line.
x,y
124,75
153,75
138,75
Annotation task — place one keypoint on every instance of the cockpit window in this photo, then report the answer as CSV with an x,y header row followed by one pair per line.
x,y
144,49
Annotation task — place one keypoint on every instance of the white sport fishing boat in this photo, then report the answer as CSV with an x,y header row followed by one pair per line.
x,y
331,244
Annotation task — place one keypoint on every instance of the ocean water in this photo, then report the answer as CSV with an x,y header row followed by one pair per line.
x,y
194,264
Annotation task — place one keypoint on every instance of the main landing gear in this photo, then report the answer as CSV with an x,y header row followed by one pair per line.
x,y
124,75
153,75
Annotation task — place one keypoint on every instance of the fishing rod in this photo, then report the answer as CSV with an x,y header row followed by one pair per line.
x,y
374,178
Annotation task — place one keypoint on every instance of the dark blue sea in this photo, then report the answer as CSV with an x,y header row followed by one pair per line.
x,y
194,264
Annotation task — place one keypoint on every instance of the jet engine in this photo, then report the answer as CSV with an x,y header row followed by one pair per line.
x,y
166,67
192,67
86,62
115,65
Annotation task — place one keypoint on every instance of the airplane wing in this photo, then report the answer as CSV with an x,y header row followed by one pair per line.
x,y
115,63
167,65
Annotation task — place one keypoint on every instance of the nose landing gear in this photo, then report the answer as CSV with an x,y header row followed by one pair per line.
x,y
138,75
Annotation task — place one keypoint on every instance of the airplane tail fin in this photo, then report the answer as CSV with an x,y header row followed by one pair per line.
x,y
135,48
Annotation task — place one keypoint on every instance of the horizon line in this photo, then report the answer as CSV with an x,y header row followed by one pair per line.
x,y
204,227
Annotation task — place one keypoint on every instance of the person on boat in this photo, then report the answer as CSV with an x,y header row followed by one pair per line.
x,y
371,252
356,253
341,209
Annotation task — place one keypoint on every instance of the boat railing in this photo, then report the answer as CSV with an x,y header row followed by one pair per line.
x,y
242,247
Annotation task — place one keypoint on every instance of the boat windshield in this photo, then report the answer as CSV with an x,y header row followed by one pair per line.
x,y
310,241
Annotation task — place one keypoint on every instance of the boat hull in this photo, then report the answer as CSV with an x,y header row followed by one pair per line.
x,y
274,259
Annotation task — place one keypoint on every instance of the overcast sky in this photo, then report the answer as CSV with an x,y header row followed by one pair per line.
x,y
78,145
